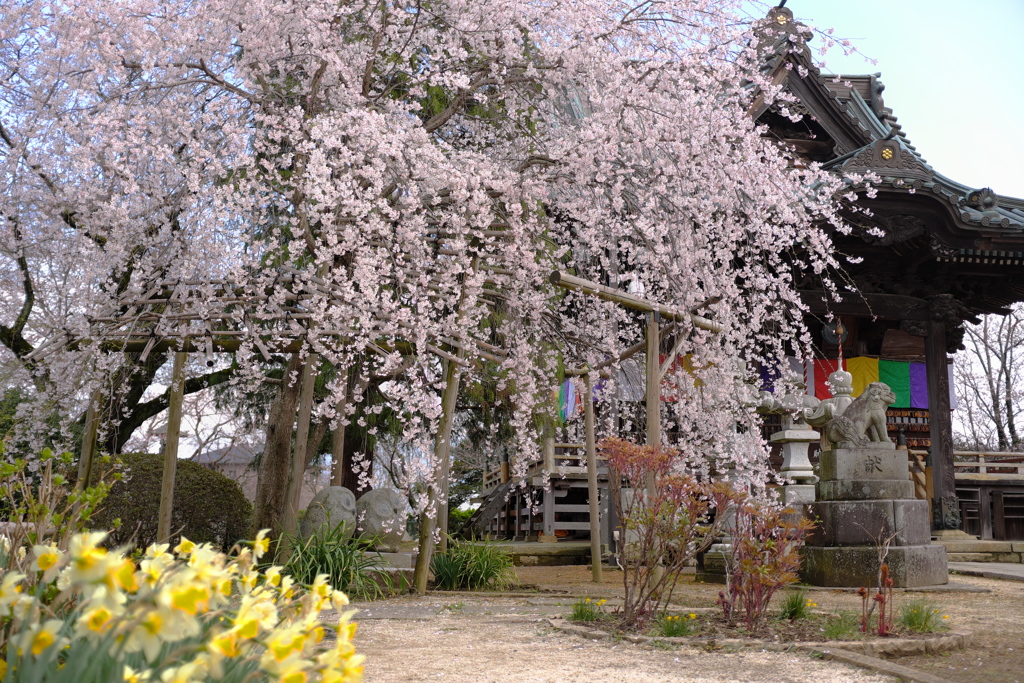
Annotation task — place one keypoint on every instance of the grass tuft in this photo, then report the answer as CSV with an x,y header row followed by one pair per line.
x,y
586,609
922,616
843,626
473,565
676,625
348,562
797,605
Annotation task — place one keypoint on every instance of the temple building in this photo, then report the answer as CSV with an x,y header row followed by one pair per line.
x,y
928,255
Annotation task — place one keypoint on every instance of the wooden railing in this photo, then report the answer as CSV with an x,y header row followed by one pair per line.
x,y
989,465
560,459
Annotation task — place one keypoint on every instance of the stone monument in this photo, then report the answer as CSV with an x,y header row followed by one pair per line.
x,y
381,515
865,501
334,505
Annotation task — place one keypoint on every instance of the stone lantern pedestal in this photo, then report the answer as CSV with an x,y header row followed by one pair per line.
x,y
796,466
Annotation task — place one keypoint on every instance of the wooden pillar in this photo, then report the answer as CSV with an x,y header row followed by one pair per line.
x,y
308,383
92,425
548,512
592,493
946,512
177,391
453,377
653,400
653,384
437,491
548,447
338,440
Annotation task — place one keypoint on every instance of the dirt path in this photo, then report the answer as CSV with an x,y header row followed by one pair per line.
x,y
485,639
995,617
503,639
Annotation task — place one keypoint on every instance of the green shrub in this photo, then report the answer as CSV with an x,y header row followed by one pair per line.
x,y
676,625
473,566
208,507
921,616
586,609
796,605
843,626
457,518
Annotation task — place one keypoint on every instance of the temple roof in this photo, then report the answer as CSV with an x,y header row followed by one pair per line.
x,y
850,112
922,245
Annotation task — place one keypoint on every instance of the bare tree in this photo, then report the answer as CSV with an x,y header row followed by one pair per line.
x,y
990,382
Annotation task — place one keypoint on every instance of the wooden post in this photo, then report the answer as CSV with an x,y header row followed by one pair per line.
x,y
177,392
548,512
92,425
338,440
653,400
453,376
548,449
437,490
592,494
308,383
653,393
946,512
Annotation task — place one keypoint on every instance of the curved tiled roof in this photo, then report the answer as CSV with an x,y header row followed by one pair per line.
x,y
871,140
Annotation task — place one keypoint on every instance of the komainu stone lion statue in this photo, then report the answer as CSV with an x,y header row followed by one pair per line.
x,y
863,421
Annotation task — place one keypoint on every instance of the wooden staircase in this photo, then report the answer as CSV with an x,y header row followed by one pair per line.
x,y
490,507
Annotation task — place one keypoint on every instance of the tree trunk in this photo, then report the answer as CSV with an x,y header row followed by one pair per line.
x,y
272,480
357,458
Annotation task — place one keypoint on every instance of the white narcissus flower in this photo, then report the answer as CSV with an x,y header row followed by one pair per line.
x,y
48,559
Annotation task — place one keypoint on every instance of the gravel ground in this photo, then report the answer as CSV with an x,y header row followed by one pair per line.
x,y
508,639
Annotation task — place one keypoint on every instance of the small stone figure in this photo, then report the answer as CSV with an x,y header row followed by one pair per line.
x,y
333,504
382,516
819,414
862,424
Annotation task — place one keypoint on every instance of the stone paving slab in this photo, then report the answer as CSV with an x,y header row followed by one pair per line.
x,y
384,610
510,609
990,570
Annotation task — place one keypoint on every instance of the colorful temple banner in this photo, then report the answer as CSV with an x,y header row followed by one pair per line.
x,y
909,381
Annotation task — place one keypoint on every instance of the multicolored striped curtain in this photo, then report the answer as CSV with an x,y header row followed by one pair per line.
x,y
909,381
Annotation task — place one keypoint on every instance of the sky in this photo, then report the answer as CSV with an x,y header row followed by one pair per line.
x,y
953,75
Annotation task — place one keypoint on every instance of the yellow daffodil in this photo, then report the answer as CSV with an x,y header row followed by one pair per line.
x,y
122,575
48,559
185,547
190,599
190,672
285,643
95,621
226,644
339,600
261,545
132,676
185,602
10,590
88,560
273,576
41,637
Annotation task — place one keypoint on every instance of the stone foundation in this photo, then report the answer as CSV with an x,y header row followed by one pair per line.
x,y
909,566
865,498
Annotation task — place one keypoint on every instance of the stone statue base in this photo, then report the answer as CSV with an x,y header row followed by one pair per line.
x,y
865,498
909,566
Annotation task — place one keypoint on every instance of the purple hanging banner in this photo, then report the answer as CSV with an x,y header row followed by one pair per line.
x,y
918,386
